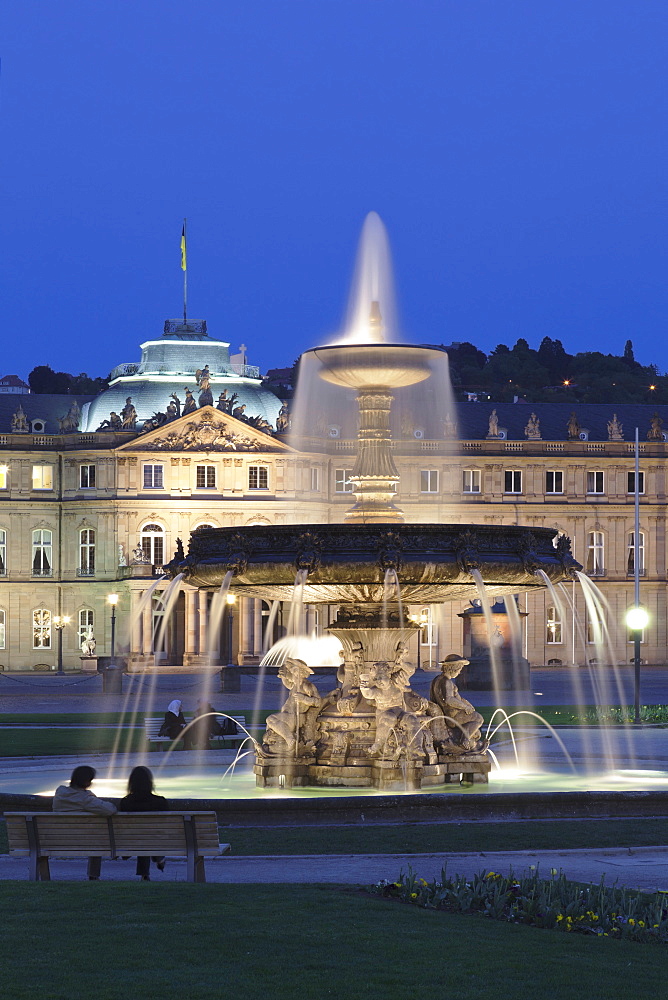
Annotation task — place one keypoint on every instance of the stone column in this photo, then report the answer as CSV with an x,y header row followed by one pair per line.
x,y
190,649
147,630
257,628
203,621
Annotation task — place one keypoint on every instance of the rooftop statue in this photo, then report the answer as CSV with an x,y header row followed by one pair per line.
x,y
573,428
70,422
129,415
114,423
202,377
493,431
190,405
174,407
283,419
615,429
19,422
532,429
238,411
655,432
449,428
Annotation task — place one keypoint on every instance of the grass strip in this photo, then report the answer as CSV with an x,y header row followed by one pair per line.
x,y
145,940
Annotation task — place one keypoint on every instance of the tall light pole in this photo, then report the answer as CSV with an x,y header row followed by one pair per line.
x,y
636,617
59,623
113,601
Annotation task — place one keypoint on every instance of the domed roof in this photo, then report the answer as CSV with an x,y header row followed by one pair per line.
x,y
168,367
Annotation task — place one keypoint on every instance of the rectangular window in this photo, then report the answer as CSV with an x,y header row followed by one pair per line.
x,y
512,481
4,471
594,482
553,626
342,482
206,477
42,547
42,477
41,629
87,552
315,479
153,477
3,552
554,481
258,477
471,481
86,622
428,481
631,482
2,629
86,477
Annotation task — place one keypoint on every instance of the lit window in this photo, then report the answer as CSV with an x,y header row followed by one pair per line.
x,y
554,481
258,477
553,624
42,477
595,626
153,477
594,482
87,477
153,544
2,630
41,629
42,544
342,482
428,481
630,561
4,474
512,481
471,481
3,552
315,479
86,552
631,482
206,477
595,553
86,621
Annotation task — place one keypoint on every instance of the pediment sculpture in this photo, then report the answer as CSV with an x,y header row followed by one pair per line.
x,y
205,434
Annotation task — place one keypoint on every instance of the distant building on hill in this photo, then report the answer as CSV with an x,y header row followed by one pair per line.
x,y
12,383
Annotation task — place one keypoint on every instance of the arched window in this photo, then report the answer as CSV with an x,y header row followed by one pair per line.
x,y
153,544
630,561
41,629
86,621
42,541
201,527
86,552
553,625
595,553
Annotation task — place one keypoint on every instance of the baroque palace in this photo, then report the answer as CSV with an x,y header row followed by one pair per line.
x,y
94,494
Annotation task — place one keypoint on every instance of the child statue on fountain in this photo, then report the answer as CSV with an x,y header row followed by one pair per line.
x,y
293,729
461,718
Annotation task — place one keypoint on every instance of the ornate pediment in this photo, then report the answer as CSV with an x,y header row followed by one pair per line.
x,y
206,430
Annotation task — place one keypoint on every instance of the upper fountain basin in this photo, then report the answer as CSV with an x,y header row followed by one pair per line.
x,y
375,366
347,563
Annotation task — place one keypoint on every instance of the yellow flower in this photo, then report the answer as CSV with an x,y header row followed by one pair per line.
x,y
641,923
414,895
632,922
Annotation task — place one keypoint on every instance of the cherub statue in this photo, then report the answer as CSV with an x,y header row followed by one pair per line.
x,y
293,729
381,687
88,644
460,716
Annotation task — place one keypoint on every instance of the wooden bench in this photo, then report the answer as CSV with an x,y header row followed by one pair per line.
x,y
152,726
43,835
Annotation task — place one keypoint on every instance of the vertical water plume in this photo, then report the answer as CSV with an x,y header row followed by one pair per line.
x,y
491,630
372,290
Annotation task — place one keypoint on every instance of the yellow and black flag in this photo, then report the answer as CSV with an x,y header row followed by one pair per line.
x,y
183,248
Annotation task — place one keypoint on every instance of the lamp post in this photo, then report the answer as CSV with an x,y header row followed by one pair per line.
x,y
420,620
231,601
59,623
636,619
229,672
113,600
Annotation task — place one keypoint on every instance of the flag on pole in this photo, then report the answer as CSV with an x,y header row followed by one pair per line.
x,y
183,247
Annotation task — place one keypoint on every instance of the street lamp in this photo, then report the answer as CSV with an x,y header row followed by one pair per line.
x,y
231,601
59,623
636,619
113,600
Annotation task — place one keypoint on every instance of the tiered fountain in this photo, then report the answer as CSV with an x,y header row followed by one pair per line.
x,y
373,730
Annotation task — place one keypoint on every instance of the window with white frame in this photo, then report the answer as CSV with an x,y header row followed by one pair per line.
x,y
512,481
3,635
3,552
86,552
41,629
206,477
86,621
595,482
42,477
258,477
553,626
595,553
315,479
42,551
631,556
554,481
200,527
86,477
153,477
153,544
428,636
342,482
4,475
429,481
471,481
594,627
631,482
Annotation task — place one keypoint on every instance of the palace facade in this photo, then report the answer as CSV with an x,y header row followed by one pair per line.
x,y
95,494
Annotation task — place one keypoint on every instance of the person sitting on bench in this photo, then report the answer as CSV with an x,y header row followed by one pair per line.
x,y
77,797
141,798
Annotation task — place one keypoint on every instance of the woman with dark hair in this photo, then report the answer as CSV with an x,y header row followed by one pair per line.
x,y
77,797
141,798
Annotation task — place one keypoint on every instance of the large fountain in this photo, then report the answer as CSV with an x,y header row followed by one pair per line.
x,y
373,729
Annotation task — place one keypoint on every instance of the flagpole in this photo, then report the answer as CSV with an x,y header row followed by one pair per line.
x,y
185,276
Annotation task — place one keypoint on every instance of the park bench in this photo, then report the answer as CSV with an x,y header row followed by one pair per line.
x,y
152,726
40,836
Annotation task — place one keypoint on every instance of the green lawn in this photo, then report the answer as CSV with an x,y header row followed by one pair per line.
x,y
74,941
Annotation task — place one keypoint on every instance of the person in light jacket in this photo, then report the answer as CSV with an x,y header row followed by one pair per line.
x,y
77,797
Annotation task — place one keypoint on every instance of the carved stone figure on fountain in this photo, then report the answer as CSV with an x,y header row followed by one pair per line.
x,y
397,731
347,695
70,422
190,405
129,415
461,718
293,730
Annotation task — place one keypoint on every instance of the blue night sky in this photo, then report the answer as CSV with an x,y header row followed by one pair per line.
x,y
516,151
